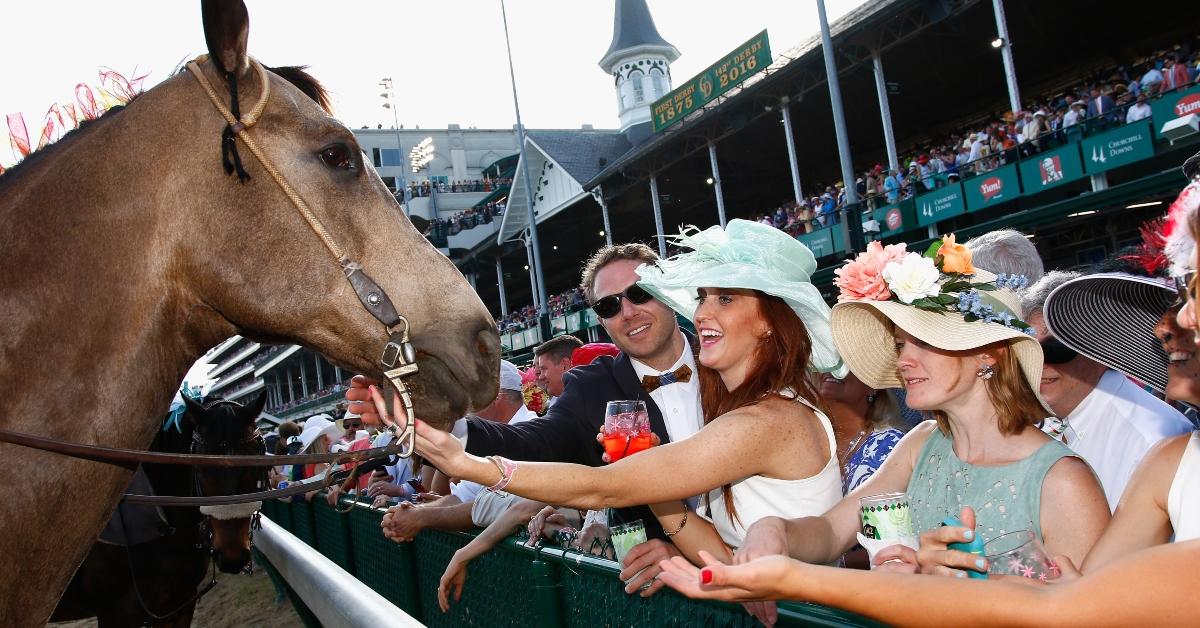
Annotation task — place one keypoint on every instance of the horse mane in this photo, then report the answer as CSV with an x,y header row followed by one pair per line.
x,y
82,128
294,74
299,77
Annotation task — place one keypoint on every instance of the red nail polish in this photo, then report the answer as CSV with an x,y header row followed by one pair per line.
x,y
706,576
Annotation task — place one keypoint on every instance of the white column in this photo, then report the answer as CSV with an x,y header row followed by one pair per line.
x,y
785,106
500,285
598,194
317,365
1010,70
658,221
716,175
885,111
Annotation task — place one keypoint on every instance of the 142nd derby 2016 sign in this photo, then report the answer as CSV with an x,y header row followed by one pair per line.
x,y
719,78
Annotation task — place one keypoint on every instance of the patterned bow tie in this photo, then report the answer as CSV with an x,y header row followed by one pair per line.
x,y
652,382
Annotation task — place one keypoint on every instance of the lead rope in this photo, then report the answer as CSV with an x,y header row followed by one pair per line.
x,y
399,357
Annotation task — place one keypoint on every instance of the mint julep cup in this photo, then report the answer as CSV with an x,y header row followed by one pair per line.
x,y
886,517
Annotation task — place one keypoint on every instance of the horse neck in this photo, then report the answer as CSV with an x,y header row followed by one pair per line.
x,y
90,296
174,479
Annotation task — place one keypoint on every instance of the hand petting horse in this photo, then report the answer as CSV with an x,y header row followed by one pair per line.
x,y
129,248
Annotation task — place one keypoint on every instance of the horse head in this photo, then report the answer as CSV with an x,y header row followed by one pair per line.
x,y
255,260
228,428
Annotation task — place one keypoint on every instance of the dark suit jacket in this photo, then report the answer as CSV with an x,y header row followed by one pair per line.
x,y
568,431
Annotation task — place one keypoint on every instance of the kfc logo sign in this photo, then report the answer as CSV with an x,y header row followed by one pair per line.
x,y
991,188
1051,170
1187,104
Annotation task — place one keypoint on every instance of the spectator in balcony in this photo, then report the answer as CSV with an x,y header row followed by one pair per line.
x,y
1076,114
925,174
1007,251
1140,110
1152,80
1101,106
550,360
1175,74
1036,131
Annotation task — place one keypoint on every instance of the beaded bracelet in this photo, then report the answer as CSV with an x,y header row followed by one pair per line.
x,y
680,528
506,467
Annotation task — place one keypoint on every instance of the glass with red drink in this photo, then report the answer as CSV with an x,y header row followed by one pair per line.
x,y
626,429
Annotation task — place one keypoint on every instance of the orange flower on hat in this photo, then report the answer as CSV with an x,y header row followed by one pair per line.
x,y
956,258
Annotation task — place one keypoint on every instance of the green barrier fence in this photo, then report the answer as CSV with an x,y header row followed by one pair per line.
x,y
512,585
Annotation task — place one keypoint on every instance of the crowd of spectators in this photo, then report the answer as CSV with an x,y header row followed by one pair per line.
x,y
324,392
426,188
1118,96
441,228
559,305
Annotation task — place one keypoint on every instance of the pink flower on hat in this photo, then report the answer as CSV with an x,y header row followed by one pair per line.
x,y
862,278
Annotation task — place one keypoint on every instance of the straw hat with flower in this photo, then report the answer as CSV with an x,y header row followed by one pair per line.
x,y
939,297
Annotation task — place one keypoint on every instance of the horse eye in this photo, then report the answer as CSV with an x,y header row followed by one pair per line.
x,y
336,156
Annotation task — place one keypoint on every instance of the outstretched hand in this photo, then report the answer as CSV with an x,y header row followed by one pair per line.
x,y
439,448
359,397
756,580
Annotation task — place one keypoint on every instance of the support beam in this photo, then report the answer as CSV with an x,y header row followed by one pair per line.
x,y
303,379
716,175
291,387
500,286
598,194
1010,69
885,111
320,376
839,126
785,110
658,221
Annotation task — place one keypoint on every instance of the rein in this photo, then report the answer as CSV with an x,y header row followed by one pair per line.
x,y
398,357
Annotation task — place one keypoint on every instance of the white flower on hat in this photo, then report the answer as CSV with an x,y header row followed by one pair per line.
x,y
914,277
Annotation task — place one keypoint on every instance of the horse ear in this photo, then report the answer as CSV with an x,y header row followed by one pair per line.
x,y
195,411
226,29
255,408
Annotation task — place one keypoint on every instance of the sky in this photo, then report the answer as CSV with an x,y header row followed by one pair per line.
x,y
447,58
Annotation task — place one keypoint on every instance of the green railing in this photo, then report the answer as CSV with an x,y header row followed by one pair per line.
x,y
512,585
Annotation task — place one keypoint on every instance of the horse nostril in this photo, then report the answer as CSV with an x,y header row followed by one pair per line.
x,y
487,342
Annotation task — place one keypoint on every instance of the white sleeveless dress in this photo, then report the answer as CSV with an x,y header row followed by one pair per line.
x,y
1183,501
757,496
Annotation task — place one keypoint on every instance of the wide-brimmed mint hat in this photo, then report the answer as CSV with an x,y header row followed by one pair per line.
x,y
751,256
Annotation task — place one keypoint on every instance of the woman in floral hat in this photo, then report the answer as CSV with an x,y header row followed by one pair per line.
x,y
949,334
1147,588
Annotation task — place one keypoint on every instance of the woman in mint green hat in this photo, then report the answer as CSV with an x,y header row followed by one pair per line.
x,y
765,449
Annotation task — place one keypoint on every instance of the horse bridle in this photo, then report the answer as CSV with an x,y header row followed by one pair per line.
x,y
398,358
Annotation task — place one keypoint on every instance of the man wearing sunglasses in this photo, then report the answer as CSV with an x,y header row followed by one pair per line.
x,y
653,349
1110,421
657,365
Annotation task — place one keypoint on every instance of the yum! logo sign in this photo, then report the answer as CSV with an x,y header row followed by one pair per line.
x,y
1188,104
991,187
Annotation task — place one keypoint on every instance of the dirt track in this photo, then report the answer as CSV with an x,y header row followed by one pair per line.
x,y
236,601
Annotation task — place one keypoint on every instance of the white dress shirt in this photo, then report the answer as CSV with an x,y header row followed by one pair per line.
x,y
468,491
1139,111
1113,428
679,402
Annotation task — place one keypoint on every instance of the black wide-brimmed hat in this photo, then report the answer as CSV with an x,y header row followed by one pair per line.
x,y
1110,318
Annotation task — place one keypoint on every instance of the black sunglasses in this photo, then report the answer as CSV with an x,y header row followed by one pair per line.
x,y
1055,352
610,306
